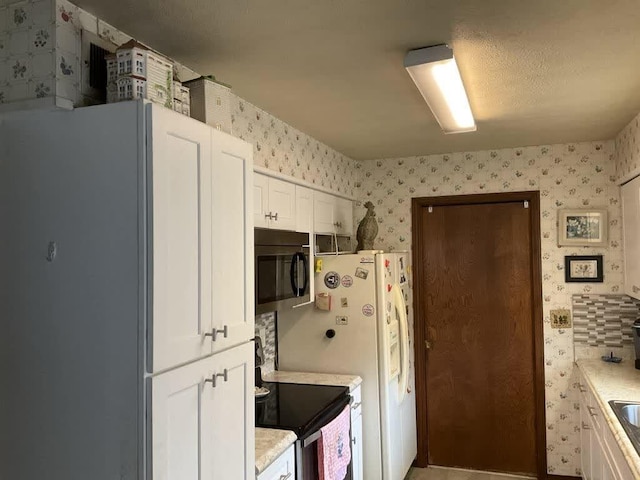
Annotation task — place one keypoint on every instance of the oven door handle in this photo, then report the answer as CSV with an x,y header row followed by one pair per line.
x,y
333,413
298,259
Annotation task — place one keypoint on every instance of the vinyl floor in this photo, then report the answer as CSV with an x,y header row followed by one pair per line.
x,y
436,473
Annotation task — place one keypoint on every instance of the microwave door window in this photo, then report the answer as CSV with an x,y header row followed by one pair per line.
x,y
266,287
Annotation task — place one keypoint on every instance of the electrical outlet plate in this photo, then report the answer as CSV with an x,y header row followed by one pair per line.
x,y
342,320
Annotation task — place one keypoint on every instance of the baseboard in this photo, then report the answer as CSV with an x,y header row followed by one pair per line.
x,y
561,477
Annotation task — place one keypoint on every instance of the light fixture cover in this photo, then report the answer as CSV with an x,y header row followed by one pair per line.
x,y
435,73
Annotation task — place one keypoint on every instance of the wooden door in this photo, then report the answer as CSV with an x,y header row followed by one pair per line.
x,y
179,207
233,310
479,300
304,209
585,442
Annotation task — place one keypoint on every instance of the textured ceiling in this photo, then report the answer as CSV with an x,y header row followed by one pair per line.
x,y
536,72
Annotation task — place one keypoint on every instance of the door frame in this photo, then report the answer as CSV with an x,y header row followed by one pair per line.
x,y
419,294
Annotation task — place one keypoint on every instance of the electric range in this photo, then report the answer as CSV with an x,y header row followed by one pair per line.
x,y
303,409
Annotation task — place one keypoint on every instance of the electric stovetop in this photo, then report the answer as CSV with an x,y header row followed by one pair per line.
x,y
299,407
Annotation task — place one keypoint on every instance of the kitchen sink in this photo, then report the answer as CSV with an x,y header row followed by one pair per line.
x,y
628,414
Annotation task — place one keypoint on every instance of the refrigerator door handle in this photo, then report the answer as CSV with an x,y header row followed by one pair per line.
x,y
403,381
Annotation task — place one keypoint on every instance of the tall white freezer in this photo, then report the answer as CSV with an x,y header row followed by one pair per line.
x,y
125,250
371,317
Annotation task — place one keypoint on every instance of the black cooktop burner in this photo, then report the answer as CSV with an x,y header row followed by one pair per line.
x,y
301,408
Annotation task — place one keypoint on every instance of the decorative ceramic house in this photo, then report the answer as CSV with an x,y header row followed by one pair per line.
x,y
181,98
139,73
211,103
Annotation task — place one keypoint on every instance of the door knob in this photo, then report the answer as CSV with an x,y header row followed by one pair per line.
x,y
427,344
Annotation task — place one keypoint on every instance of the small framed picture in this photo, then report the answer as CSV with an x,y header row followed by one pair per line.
x,y
582,228
583,268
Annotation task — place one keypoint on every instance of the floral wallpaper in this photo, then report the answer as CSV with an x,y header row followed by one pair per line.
x,y
27,48
628,150
568,176
285,149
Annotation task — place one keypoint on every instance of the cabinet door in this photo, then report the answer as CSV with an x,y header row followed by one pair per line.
x,y
179,168
304,209
585,442
260,201
631,230
356,446
343,216
232,413
323,213
180,419
282,204
232,242
282,467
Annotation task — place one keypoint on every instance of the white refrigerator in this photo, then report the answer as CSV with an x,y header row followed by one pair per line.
x,y
368,331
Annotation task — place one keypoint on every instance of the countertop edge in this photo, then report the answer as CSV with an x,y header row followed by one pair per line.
x,y
278,440
314,378
628,450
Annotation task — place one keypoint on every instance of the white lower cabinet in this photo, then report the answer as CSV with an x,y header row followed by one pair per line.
x,y
201,422
601,457
356,434
283,468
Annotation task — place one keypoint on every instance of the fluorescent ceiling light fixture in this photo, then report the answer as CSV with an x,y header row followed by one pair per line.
x,y
435,73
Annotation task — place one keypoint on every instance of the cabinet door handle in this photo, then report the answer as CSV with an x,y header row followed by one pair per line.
x,y
582,388
338,224
285,477
214,333
592,411
214,377
585,426
268,215
275,216
355,405
354,440
635,289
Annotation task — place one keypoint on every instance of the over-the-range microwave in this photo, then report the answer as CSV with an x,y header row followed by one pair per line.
x,y
282,269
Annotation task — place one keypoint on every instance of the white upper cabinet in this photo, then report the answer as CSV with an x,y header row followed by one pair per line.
x,y
232,241
323,213
260,201
179,165
304,209
631,230
332,214
344,216
201,239
274,203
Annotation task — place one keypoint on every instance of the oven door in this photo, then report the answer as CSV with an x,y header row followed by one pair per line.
x,y
282,277
307,461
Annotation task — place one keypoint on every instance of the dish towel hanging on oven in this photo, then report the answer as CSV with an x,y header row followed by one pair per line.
x,y
334,452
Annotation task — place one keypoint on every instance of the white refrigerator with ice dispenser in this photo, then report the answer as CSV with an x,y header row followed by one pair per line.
x,y
369,310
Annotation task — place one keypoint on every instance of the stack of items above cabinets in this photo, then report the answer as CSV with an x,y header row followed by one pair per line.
x,y
127,307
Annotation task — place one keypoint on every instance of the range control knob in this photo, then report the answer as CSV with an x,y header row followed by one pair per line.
x,y
330,333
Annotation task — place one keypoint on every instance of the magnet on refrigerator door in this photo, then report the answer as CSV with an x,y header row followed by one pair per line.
x,y
362,273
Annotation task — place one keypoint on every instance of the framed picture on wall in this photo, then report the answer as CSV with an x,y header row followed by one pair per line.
x,y
583,268
582,228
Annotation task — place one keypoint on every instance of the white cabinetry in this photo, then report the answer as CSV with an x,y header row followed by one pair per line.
x,y
631,230
304,209
143,216
356,433
282,468
200,418
332,214
601,456
274,203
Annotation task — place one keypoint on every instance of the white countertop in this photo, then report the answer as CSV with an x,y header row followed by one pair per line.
x,y
610,381
310,378
270,444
